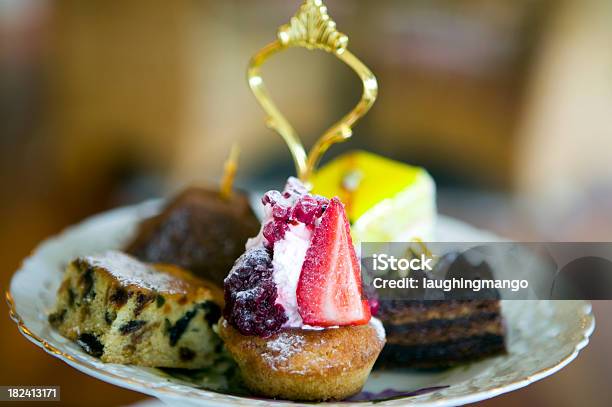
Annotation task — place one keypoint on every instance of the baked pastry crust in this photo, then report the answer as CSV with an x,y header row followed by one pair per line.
x,y
304,364
125,311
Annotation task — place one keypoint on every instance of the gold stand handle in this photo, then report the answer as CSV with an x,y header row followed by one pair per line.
x,y
311,28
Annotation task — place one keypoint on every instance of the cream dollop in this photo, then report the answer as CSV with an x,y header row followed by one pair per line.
x,y
289,254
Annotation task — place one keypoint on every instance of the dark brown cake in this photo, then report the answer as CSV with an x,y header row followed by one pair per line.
x,y
436,334
198,231
445,329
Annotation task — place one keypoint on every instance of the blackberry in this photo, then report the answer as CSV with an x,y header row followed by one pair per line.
x,y
250,295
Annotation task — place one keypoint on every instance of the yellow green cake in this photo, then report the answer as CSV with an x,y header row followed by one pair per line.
x,y
385,200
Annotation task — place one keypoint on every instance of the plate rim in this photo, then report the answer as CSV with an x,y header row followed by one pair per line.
x,y
219,398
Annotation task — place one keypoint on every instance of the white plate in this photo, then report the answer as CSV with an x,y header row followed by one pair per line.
x,y
543,336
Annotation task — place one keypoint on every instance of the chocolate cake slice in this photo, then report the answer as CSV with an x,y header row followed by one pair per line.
x,y
199,231
436,334
444,329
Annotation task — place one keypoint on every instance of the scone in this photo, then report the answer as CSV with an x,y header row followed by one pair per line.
x,y
125,311
295,319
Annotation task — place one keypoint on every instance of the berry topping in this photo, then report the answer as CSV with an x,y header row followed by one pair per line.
x,y
294,187
308,208
271,197
280,212
250,295
274,231
329,290
294,205
374,305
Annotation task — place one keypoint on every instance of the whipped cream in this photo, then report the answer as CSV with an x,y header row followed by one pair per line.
x,y
289,254
378,326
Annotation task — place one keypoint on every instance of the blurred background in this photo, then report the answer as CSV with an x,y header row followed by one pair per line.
x,y
508,104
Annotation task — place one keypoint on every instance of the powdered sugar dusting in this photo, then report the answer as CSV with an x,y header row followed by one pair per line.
x,y
280,349
129,271
248,257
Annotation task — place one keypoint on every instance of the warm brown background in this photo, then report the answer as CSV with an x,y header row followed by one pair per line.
x,y
107,103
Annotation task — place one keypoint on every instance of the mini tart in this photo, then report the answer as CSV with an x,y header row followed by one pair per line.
x,y
306,365
124,311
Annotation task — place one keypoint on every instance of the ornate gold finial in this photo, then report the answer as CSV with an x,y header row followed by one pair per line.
x,y
311,28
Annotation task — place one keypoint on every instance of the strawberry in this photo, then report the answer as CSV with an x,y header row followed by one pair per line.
x,y
329,288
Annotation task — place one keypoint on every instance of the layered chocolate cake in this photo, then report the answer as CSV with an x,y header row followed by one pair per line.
x,y
200,231
442,329
437,334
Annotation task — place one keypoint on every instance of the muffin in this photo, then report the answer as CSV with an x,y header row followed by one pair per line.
x,y
302,364
125,311
295,320
199,230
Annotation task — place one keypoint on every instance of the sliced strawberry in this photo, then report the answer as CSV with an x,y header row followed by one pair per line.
x,y
329,288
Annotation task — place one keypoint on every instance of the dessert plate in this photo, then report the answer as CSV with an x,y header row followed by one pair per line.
x,y
543,336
